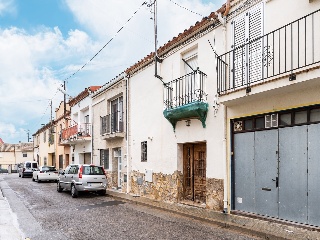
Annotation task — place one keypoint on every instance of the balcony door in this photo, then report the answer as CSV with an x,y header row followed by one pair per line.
x,y
247,65
117,115
191,84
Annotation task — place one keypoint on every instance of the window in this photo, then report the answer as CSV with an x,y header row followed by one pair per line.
x,y
86,124
104,158
117,115
315,115
44,136
144,151
24,155
300,117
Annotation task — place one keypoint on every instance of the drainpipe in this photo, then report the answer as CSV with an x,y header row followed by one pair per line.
x,y
127,132
227,172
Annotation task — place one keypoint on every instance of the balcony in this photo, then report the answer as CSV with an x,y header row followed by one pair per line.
x,y
75,134
286,51
111,126
186,98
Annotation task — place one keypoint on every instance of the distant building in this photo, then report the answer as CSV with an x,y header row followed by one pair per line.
x,y
13,154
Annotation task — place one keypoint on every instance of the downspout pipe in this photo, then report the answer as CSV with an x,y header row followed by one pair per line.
x,y
127,134
226,197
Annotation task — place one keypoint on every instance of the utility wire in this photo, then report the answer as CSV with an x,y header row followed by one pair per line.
x,y
84,65
186,8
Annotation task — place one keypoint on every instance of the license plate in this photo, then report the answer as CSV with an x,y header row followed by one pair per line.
x,y
94,184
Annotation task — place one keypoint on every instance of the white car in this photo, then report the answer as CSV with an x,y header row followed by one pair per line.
x,y
45,173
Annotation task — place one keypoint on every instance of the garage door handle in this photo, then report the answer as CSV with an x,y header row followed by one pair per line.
x,y
277,181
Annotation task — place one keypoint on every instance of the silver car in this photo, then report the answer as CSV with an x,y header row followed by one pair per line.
x,y
82,177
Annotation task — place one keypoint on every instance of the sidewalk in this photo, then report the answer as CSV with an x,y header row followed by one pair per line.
x,y
9,227
258,227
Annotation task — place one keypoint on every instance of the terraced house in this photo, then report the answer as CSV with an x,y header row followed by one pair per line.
x,y
232,117
78,132
225,116
109,108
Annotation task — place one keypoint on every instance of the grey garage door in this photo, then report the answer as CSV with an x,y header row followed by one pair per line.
x,y
276,173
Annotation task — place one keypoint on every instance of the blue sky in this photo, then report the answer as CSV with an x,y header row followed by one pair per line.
x,y
43,42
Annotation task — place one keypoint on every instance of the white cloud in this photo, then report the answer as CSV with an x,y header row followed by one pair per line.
x,y
135,41
28,77
7,6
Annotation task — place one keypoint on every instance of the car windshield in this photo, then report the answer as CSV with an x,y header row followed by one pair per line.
x,y
92,170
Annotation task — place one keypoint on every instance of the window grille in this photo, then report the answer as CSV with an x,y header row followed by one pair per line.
x,y
144,151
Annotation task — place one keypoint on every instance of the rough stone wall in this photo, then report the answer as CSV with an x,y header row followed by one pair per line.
x,y
215,193
165,187
112,179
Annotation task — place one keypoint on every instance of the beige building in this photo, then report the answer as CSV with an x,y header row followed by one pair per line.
x,y
13,154
62,121
44,145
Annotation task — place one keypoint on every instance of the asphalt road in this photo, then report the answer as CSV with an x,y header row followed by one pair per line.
x,y
43,213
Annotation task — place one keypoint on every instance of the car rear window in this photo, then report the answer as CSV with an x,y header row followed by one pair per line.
x,y
50,169
28,165
34,165
92,170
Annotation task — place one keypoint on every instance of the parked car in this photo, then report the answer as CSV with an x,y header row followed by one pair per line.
x,y
45,173
82,177
27,168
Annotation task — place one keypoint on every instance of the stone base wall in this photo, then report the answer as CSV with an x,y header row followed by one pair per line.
x,y
164,187
169,188
112,179
215,194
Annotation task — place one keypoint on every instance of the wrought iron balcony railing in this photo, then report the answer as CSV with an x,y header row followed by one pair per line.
x,y
282,51
186,89
111,123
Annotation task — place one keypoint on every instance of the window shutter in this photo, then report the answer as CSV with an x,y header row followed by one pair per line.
x,y
255,48
247,67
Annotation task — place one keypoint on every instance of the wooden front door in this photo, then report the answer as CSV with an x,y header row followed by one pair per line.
x,y
194,172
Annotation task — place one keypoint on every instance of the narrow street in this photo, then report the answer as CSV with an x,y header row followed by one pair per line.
x,y
43,213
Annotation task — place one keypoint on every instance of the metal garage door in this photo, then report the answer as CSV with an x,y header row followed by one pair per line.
x,y
244,169
266,169
276,173
313,174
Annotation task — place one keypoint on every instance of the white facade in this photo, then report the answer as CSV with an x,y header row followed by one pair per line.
x,y
109,131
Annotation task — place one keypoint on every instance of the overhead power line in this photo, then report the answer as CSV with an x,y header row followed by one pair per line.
x,y
84,65
186,8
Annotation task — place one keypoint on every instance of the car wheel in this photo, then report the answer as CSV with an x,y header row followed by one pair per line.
x,y
59,188
38,180
22,175
33,179
19,175
102,192
74,191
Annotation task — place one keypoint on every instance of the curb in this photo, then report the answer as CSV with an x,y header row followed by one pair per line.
x,y
250,226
